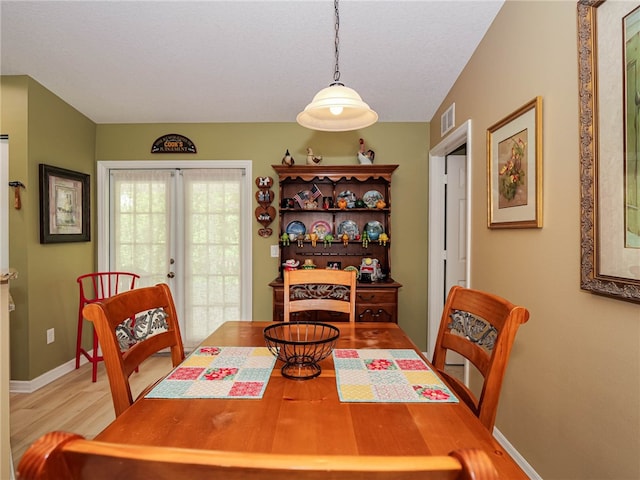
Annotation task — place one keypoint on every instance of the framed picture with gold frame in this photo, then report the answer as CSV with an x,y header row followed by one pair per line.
x,y
64,205
514,169
609,96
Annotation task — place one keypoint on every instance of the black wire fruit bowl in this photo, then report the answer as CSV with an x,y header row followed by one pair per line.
x,y
301,345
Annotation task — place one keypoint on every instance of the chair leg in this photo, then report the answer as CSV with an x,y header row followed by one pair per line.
x,y
79,340
95,359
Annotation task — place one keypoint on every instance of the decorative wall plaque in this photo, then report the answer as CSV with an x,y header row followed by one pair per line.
x,y
173,143
265,213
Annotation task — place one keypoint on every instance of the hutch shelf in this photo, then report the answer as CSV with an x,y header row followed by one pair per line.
x,y
309,202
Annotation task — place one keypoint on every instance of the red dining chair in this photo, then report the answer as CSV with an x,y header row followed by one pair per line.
x,y
95,287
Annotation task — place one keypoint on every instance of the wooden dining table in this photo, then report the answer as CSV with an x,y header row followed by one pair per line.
x,y
307,416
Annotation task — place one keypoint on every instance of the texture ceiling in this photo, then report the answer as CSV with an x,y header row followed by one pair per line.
x,y
240,61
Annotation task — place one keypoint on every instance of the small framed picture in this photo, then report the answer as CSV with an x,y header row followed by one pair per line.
x,y
64,205
514,166
334,265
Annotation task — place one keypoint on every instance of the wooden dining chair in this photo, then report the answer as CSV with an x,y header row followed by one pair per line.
x,y
131,327
481,327
60,455
320,289
95,287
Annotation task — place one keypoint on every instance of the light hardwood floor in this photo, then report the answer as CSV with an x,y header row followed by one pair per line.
x,y
73,403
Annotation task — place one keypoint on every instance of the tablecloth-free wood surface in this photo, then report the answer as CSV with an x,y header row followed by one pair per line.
x,y
307,417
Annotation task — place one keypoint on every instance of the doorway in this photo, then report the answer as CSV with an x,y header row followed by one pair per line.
x,y
449,232
187,225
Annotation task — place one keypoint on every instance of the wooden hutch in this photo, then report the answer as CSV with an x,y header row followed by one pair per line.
x,y
309,198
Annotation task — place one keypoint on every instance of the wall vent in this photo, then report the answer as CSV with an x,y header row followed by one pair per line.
x,y
448,119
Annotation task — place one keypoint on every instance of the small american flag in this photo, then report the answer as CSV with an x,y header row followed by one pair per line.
x,y
315,192
299,199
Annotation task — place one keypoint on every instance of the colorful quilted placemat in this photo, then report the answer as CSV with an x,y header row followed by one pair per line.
x,y
380,375
219,372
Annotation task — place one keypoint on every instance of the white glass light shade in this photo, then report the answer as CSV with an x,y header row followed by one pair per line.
x,y
351,113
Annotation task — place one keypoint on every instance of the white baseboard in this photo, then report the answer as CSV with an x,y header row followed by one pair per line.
x,y
510,449
519,459
30,386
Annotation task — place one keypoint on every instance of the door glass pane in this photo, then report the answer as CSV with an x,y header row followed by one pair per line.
x,y
213,254
141,214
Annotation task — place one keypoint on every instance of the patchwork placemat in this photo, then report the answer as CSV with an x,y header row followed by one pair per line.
x,y
219,372
387,375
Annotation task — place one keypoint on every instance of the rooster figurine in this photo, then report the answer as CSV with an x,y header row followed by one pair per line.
x,y
288,159
365,157
311,158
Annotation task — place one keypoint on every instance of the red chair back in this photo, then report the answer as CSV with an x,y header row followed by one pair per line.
x,y
100,285
95,287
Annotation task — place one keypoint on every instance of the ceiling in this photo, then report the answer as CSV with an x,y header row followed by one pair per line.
x,y
151,61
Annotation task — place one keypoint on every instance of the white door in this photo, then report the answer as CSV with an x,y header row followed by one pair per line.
x,y
455,258
448,223
456,222
186,227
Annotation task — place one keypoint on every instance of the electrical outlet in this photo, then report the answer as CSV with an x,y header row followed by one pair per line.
x,y
51,335
275,251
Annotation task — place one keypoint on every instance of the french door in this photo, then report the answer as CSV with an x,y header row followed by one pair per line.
x,y
188,227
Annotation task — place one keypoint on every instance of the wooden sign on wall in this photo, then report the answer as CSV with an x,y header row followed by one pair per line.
x,y
173,143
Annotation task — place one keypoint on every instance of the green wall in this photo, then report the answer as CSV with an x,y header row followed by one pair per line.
x,y
42,128
405,144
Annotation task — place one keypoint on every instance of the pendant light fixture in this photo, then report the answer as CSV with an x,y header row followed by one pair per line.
x,y
337,108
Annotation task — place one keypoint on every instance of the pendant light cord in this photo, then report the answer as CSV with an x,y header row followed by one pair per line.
x,y
336,73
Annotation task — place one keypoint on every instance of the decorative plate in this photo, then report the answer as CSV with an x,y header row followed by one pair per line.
x,y
296,228
349,196
321,228
352,268
371,197
374,229
350,228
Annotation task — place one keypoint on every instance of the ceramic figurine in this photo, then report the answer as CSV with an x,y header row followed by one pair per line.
x,y
365,239
288,159
382,239
345,239
291,264
311,158
365,157
380,204
342,203
284,238
314,239
308,264
370,269
328,238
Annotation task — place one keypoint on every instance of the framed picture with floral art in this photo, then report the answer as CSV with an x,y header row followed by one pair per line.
x,y
514,169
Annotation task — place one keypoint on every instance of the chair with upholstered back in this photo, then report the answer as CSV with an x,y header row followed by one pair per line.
x,y
131,327
95,287
59,455
481,327
320,289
